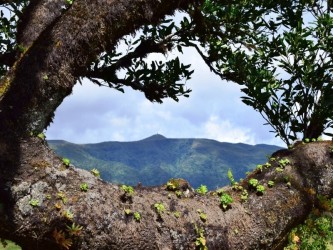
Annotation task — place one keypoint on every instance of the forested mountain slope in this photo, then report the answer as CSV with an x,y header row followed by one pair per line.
x,y
156,159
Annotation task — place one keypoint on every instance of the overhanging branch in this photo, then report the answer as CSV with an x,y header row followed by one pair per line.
x,y
206,60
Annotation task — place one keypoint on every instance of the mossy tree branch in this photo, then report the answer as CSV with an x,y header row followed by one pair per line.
x,y
105,212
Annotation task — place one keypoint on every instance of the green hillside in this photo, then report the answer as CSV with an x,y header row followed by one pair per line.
x,y
156,159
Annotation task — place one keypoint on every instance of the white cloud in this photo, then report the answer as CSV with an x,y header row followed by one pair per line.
x,y
117,122
225,131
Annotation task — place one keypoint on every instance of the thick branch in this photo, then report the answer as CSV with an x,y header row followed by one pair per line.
x,y
109,73
145,48
36,18
262,222
206,60
48,70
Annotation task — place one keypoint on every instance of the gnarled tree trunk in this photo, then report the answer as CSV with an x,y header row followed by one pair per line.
x,y
41,197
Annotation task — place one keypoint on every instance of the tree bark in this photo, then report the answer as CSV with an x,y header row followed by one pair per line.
x,y
262,222
40,196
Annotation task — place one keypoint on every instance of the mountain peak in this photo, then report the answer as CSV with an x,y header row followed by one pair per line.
x,y
155,137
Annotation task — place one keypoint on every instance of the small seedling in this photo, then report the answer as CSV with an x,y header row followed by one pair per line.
x,y
231,177
284,162
270,184
58,206
95,172
259,168
137,216
62,196
200,241
202,215
74,230
267,165
128,193
171,185
129,190
128,211
279,170
253,183
68,214
177,214
202,189
84,187
244,196
159,208
178,193
225,200
260,189
41,136
61,239
66,161
237,187
272,159
34,202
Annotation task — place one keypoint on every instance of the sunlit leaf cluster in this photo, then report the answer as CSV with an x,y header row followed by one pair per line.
x,y
282,58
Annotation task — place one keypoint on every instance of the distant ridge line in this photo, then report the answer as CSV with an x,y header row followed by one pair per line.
x,y
155,137
156,159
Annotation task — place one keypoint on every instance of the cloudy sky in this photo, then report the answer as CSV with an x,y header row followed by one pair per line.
x,y
214,110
